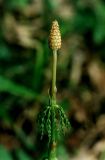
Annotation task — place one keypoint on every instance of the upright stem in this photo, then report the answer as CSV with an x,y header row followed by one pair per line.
x,y
54,67
52,151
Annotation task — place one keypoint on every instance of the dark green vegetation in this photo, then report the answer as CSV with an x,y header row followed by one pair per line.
x,y
25,62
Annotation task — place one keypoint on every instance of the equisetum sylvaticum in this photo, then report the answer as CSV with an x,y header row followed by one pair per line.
x,y
52,120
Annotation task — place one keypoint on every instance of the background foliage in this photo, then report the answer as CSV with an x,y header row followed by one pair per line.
x,y
25,62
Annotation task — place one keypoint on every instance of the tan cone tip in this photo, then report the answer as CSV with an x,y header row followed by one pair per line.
x,y
55,36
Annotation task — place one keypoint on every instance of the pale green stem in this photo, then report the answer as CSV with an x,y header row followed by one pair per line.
x,y
54,67
52,153
54,90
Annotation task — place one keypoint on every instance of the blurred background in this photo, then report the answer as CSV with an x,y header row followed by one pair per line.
x,y
25,63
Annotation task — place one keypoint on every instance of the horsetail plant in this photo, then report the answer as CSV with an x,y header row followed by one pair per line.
x,y
52,120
